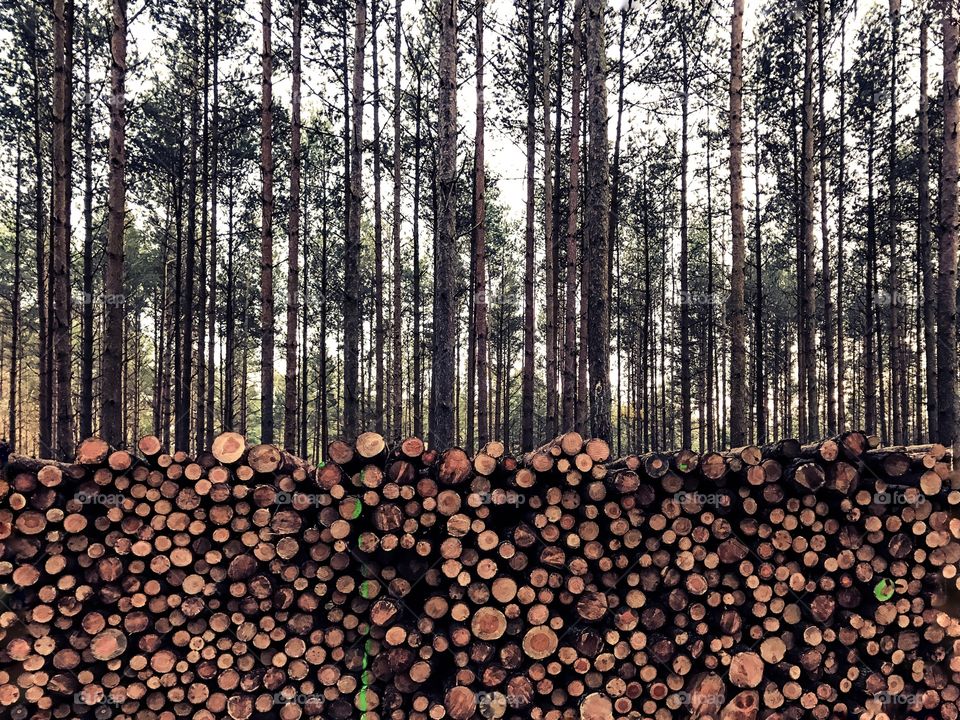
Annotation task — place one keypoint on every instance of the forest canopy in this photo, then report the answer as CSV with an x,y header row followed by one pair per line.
x,y
666,223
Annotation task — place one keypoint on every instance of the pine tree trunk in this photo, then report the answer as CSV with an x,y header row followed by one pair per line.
x,y
293,246
529,329
841,207
760,381
396,347
947,267
898,386
116,200
809,277
444,296
828,344
597,223
549,269
869,375
266,229
378,327
924,250
15,319
738,329
45,422
569,388
86,342
215,184
60,249
351,251
230,315
686,435
200,432
417,405
480,247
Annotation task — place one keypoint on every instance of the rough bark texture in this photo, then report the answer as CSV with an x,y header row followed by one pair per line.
x,y
396,372
351,250
809,276
947,268
898,386
377,288
529,328
549,269
480,246
828,337
924,250
738,328
569,387
444,299
597,221
60,247
116,201
266,230
293,246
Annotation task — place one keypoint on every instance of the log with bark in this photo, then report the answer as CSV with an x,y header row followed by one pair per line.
x,y
402,581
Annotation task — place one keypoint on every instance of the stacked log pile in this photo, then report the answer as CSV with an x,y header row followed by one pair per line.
x,y
401,581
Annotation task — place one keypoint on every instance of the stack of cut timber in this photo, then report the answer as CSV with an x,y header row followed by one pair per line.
x,y
401,581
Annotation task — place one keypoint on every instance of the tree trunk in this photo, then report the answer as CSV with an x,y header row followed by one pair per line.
x,y
738,330
86,342
529,329
417,405
841,194
45,420
924,250
809,277
60,249
597,223
947,267
898,386
685,389
480,247
215,183
378,327
396,381
828,345
760,381
293,246
15,291
200,432
351,250
573,209
444,296
869,375
266,229
549,269
116,201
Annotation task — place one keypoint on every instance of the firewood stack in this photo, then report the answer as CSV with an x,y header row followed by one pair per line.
x,y
788,581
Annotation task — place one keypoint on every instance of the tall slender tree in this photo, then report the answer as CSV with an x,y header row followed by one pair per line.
x,y
569,385
266,227
828,344
480,243
116,204
947,267
351,248
529,328
293,244
597,222
444,296
738,330
807,245
549,269
924,250
61,338
396,373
